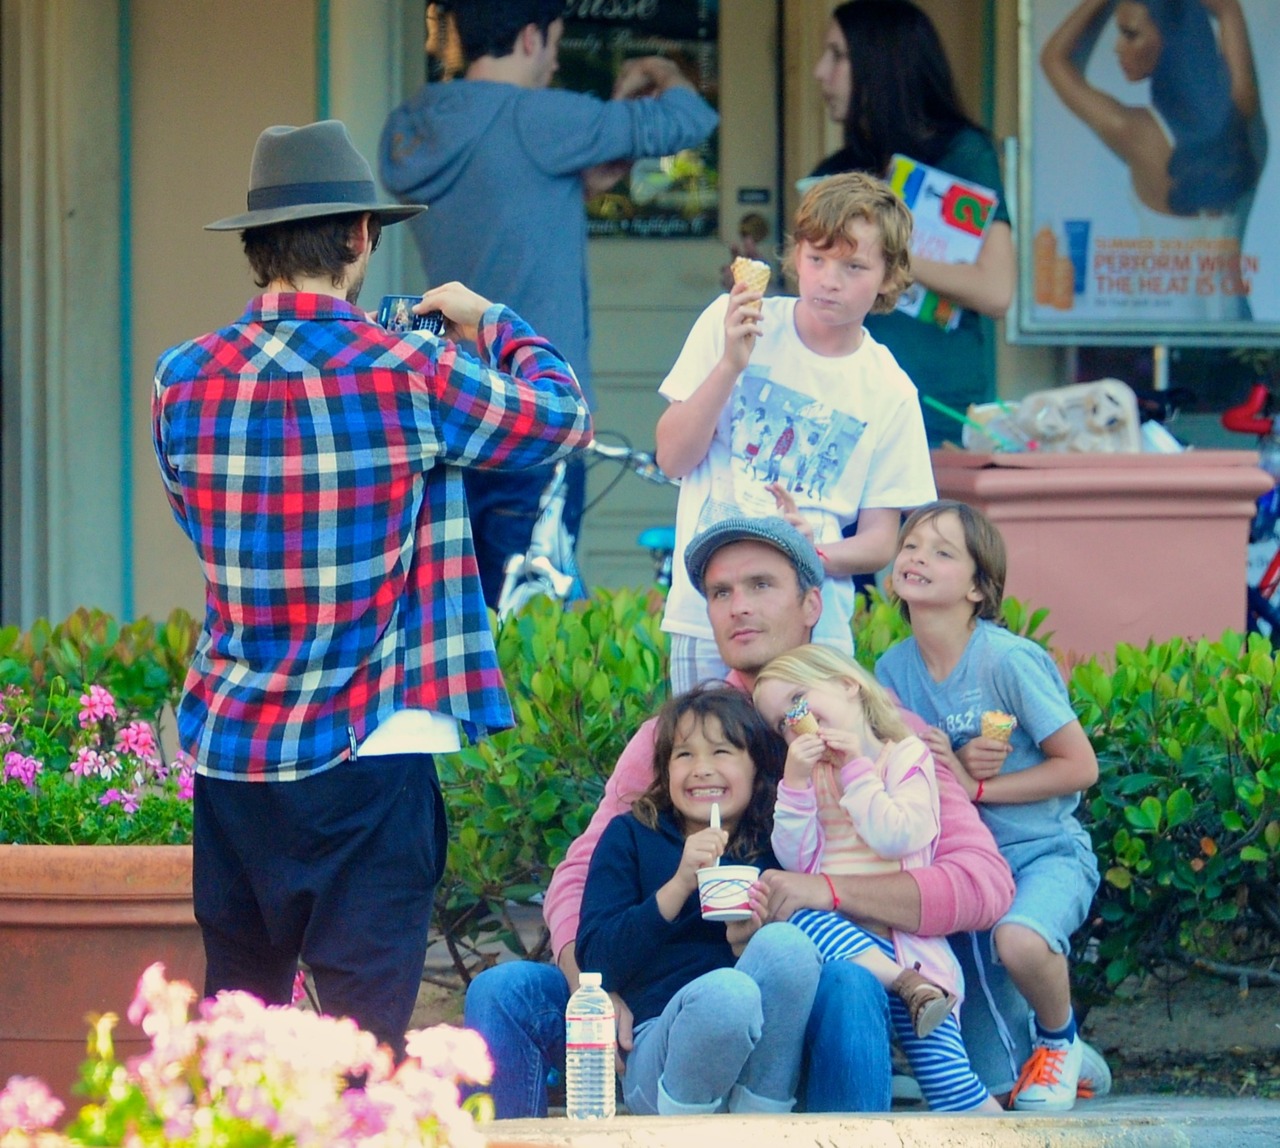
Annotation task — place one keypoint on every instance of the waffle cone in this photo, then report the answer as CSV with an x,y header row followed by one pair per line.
x,y
997,725
753,273
805,723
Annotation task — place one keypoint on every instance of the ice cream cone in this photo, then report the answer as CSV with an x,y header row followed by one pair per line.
x,y
753,273
997,725
799,720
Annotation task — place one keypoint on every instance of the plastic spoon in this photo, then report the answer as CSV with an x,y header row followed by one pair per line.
x,y
715,815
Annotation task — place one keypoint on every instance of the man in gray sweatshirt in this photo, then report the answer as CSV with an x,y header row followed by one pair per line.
x,y
505,163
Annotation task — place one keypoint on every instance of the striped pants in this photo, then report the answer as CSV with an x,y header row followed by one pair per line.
x,y
939,1060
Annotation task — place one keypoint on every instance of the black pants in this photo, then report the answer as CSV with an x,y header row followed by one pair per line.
x,y
339,869
503,507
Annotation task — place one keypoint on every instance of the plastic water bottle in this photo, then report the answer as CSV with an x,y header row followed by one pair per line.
x,y
590,1037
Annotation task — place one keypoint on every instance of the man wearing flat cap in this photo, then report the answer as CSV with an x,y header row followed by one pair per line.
x,y
315,461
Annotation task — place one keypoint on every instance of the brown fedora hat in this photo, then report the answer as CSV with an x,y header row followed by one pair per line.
x,y
306,173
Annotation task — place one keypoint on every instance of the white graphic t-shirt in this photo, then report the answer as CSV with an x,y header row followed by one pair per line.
x,y
839,433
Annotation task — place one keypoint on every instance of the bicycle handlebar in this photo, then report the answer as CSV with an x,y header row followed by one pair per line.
x,y
637,461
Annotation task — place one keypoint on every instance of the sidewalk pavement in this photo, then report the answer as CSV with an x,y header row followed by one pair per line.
x,y
1119,1121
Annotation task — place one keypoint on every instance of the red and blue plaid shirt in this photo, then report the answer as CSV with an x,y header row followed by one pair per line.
x,y
315,461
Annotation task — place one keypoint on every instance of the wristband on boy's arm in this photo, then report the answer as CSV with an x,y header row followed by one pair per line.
x,y
835,899
977,797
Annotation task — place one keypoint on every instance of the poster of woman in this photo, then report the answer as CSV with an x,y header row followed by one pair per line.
x,y
1144,151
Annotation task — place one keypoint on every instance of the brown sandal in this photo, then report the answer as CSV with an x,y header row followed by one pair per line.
x,y
927,1003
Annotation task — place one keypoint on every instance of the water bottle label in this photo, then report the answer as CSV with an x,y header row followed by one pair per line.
x,y
586,1032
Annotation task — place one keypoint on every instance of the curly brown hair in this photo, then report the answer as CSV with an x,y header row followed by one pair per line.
x,y
825,218
742,727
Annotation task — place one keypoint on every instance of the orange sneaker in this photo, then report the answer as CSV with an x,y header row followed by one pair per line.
x,y
1049,1078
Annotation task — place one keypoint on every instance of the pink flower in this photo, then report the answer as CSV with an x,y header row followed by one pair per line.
x,y
186,768
139,739
90,763
159,1006
98,704
127,800
361,1117
27,1104
448,1051
20,767
242,1071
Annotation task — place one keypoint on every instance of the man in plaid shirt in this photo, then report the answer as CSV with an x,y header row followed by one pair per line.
x,y
315,461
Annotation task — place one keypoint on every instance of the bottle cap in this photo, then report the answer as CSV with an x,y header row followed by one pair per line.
x,y
590,980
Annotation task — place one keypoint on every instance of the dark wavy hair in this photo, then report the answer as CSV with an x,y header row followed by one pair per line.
x,y
744,728
1218,154
490,27
903,95
287,251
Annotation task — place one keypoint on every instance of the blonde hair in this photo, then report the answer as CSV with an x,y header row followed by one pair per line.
x,y
826,216
813,665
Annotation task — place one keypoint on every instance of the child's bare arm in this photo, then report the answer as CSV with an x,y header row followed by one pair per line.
x,y
685,429
1069,767
871,549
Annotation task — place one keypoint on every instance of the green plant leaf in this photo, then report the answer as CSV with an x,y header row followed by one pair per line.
x,y
1180,808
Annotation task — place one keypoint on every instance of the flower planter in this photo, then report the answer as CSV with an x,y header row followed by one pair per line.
x,y
1119,547
78,925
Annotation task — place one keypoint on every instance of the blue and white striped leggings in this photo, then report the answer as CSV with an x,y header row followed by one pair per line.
x,y
939,1060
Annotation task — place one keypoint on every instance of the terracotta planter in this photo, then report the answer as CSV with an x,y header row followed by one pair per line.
x,y
1119,547
78,924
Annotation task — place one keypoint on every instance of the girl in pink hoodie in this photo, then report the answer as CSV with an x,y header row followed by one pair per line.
x,y
860,796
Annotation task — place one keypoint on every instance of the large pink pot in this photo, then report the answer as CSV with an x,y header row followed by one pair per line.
x,y
1120,547
78,924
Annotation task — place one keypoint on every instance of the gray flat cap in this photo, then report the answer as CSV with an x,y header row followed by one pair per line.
x,y
773,531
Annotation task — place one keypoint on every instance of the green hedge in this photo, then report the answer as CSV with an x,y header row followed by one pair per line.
x,y
1185,817
582,679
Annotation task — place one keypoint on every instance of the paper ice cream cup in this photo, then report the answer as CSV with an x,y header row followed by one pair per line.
x,y
722,891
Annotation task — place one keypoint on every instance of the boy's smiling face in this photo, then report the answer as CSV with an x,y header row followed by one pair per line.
x,y
838,285
933,566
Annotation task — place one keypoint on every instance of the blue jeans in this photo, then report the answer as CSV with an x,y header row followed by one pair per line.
x,y
731,1038
847,1043
518,1007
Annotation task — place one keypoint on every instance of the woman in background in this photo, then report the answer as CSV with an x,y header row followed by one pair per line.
x,y
885,77
1196,152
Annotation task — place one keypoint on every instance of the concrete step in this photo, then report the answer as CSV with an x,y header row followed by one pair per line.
x,y
1115,1121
